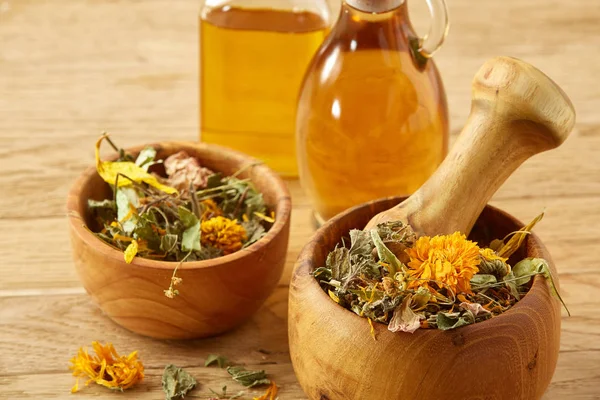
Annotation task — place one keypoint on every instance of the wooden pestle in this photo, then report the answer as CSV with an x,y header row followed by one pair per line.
x,y
516,112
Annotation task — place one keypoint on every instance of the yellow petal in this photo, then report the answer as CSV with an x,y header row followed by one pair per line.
x,y
131,251
109,171
334,297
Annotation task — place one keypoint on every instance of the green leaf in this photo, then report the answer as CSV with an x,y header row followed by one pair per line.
x,y
447,321
187,217
104,211
483,280
190,240
127,197
168,242
544,268
215,180
146,158
360,243
143,230
385,254
248,378
216,359
224,396
509,280
338,261
525,270
176,382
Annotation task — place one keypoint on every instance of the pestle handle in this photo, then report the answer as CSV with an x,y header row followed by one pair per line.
x,y
516,112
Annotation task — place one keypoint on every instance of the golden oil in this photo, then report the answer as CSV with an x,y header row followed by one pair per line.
x,y
252,62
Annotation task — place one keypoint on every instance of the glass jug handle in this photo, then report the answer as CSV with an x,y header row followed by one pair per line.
x,y
425,47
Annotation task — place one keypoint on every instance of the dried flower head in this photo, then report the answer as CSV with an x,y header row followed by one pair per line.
x,y
107,367
210,209
223,233
450,261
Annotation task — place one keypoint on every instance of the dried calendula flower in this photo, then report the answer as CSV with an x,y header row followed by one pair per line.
x,y
223,233
107,367
448,260
270,394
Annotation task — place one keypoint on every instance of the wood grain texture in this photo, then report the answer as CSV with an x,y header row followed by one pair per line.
x,y
515,354
516,112
215,295
70,69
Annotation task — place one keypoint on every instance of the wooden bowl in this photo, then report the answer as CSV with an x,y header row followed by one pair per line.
x,y
215,295
510,357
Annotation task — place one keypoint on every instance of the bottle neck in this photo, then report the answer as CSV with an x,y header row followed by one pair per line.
x,y
375,6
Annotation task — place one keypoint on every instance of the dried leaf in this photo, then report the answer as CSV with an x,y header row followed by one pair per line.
x,y
146,158
405,319
475,308
360,243
216,359
385,254
168,242
104,210
517,238
447,321
333,296
190,239
109,171
176,382
127,201
544,268
510,282
224,396
525,270
131,251
248,378
483,280
338,261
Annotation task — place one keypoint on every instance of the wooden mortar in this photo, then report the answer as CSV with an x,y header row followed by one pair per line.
x,y
517,111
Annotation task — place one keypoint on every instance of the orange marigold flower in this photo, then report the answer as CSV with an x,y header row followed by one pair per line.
x,y
491,255
223,233
270,394
450,261
210,209
107,368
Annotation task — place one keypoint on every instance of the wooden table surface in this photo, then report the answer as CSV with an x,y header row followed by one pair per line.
x,y
70,69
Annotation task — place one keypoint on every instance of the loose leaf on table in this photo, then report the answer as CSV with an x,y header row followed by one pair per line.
x,y
110,170
224,396
176,382
221,361
248,378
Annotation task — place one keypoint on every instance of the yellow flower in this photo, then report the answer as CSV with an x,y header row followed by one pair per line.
x,y
210,209
270,394
450,261
223,233
491,255
107,368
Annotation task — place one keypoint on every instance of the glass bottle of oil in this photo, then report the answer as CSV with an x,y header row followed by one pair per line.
x,y
372,117
253,55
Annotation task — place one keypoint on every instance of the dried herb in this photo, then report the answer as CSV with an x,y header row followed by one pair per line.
x,y
248,378
107,368
270,394
388,275
221,361
176,382
224,396
190,214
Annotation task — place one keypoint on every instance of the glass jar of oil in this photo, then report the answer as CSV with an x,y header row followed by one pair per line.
x,y
372,117
253,55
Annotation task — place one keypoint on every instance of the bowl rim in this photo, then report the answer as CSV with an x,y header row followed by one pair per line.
x,y
283,205
301,269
